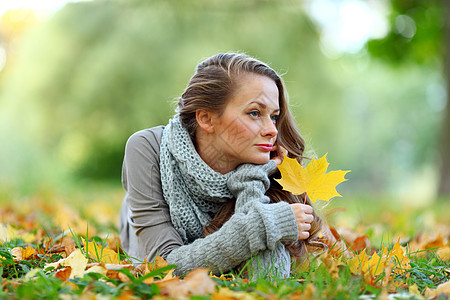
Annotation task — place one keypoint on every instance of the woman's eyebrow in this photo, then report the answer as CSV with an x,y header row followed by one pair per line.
x,y
263,105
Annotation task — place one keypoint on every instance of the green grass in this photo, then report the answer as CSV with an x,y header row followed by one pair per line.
x,y
382,220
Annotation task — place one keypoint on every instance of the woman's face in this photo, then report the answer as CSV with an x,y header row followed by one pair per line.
x,y
246,130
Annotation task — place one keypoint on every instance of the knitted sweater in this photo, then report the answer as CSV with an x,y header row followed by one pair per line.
x,y
255,229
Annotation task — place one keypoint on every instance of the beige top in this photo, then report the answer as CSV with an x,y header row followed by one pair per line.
x,y
144,217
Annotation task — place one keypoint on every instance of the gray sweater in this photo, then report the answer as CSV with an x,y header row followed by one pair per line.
x,y
254,231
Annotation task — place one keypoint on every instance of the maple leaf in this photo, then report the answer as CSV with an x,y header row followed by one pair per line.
x,y
312,180
76,261
374,266
102,254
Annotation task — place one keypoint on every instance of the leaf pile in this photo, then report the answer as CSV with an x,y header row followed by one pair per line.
x,y
40,258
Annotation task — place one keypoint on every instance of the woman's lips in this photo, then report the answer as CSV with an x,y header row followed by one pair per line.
x,y
265,147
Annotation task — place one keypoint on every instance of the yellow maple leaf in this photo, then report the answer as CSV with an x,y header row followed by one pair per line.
x,y
312,180
399,260
102,254
358,264
375,266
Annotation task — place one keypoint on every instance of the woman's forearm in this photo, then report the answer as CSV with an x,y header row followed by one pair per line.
x,y
242,237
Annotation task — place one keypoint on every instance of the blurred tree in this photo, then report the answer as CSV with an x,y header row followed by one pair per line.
x,y
420,33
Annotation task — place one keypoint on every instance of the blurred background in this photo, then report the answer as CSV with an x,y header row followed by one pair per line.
x,y
368,82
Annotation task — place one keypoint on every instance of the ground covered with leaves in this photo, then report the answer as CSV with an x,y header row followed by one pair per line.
x,y
65,246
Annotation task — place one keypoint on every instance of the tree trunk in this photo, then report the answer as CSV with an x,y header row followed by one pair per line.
x,y
444,183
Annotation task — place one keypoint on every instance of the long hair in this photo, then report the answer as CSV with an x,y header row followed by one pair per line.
x,y
212,84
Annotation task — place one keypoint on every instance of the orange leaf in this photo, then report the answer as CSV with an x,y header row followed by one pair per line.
x,y
64,273
196,282
313,179
29,251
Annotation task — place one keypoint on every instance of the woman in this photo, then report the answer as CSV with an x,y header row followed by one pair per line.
x,y
200,191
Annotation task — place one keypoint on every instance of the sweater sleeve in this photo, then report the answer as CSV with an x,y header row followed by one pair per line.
x,y
240,238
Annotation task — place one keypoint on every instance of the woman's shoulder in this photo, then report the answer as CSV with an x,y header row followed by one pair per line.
x,y
146,138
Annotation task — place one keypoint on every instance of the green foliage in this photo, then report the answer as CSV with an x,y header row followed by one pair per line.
x,y
417,32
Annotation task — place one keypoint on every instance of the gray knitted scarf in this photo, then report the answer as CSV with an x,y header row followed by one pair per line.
x,y
191,188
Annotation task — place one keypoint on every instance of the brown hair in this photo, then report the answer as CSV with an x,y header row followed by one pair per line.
x,y
210,87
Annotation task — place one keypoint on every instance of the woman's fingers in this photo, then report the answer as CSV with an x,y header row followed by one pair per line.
x,y
303,235
306,227
309,218
303,230
304,218
278,153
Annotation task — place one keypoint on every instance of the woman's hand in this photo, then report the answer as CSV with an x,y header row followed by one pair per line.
x,y
277,154
303,217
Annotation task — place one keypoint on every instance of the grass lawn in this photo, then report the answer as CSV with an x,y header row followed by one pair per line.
x,y
36,240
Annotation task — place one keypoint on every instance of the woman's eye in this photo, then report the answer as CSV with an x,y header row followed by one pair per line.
x,y
275,118
254,114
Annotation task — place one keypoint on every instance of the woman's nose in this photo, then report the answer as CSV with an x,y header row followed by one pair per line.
x,y
270,128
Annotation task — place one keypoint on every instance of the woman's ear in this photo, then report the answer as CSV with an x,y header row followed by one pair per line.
x,y
204,120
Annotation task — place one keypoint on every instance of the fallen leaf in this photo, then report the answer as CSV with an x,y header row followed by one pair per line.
x,y
444,253
17,253
76,261
358,264
96,269
225,293
64,273
28,252
356,241
22,254
157,263
375,265
313,179
197,282
102,254
443,288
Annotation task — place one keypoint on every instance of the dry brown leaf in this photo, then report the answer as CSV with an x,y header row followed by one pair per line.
x,y
157,263
443,288
356,241
444,253
99,269
69,249
17,253
63,273
332,264
225,293
196,282
435,243
114,274
22,254
76,261
336,246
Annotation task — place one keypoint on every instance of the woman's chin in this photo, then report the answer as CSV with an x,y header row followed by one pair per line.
x,y
260,160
